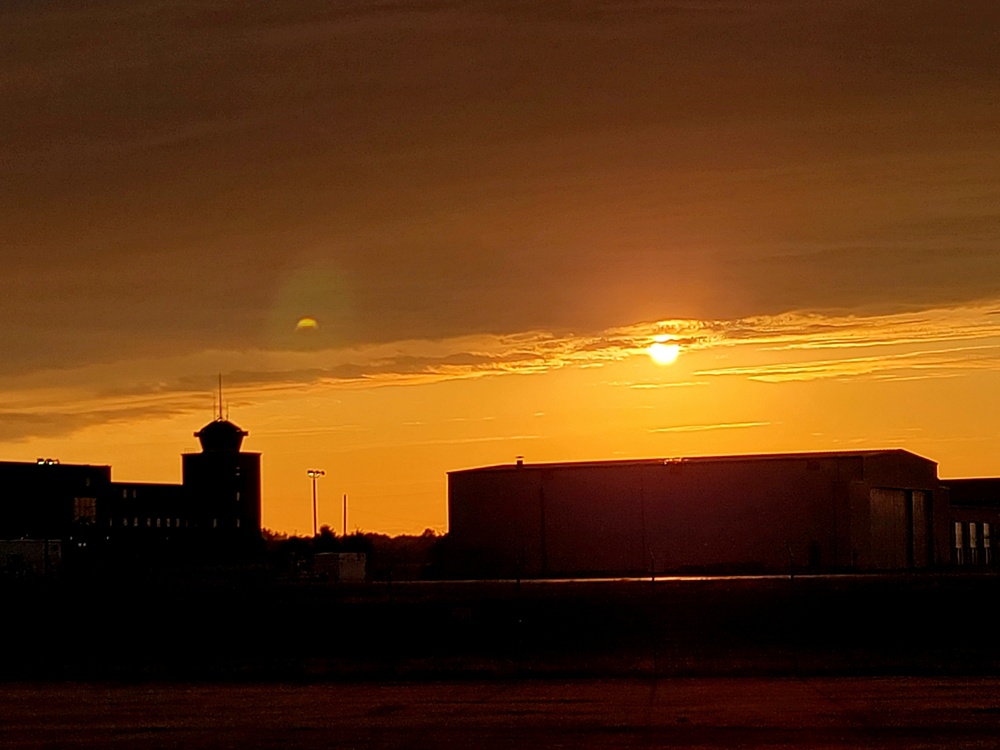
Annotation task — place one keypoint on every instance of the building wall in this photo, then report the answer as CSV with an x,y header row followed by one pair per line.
x,y
140,519
974,521
806,512
49,500
222,490
215,512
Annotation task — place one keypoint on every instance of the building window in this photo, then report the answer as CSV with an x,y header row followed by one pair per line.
x,y
973,544
987,552
215,523
124,493
149,523
135,521
959,546
168,523
237,523
84,510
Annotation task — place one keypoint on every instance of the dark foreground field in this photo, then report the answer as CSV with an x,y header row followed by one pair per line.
x,y
797,713
261,629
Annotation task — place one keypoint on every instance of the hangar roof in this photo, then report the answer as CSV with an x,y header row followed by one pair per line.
x,y
815,456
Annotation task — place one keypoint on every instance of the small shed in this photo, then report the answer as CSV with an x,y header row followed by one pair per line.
x,y
344,567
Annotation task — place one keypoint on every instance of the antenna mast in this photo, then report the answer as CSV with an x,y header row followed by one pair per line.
x,y
220,396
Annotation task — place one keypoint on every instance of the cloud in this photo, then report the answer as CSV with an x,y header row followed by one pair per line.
x,y
21,425
933,343
432,170
706,427
908,366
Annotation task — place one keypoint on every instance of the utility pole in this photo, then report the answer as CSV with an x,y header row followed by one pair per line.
x,y
315,474
345,514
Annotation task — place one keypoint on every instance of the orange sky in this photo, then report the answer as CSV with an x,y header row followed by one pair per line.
x,y
491,210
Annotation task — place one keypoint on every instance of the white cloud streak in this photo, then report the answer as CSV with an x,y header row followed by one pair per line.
x,y
707,427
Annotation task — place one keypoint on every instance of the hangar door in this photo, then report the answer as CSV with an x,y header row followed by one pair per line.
x,y
921,513
890,530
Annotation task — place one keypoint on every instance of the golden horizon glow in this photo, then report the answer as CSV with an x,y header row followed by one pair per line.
x,y
307,324
388,421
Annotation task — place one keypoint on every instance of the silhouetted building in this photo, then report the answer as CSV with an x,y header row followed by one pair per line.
x,y
29,558
214,514
858,510
49,500
975,518
222,485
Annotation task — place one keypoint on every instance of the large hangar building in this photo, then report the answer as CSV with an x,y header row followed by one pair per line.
x,y
822,512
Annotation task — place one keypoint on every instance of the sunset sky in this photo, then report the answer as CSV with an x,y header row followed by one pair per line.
x,y
490,210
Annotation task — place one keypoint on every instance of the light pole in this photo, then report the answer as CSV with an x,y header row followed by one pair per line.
x,y
315,474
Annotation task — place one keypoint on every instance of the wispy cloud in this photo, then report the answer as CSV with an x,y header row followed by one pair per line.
x,y
944,342
898,366
705,427
656,386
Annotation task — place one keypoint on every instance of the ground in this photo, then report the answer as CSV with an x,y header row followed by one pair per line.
x,y
788,712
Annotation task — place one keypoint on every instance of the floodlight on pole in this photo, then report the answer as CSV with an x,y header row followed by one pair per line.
x,y
315,474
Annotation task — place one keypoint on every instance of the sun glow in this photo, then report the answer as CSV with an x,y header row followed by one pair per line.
x,y
663,353
306,324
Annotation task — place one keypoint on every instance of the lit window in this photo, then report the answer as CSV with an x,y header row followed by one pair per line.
x,y
168,523
215,523
987,552
124,493
157,523
959,560
973,544
149,523
237,523
84,510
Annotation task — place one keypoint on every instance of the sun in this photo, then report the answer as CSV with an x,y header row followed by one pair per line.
x,y
306,324
663,352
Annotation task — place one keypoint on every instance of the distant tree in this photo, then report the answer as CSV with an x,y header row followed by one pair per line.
x,y
358,542
326,541
404,557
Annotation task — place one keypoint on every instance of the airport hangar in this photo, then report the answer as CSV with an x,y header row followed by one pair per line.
x,y
819,512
